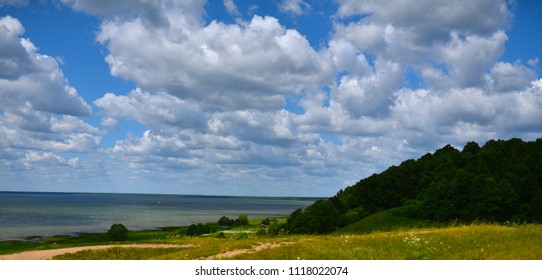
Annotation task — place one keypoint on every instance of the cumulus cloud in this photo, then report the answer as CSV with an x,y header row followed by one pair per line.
x,y
226,66
347,57
431,19
155,110
213,94
510,77
255,105
443,35
32,130
370,95
30,78
39,110
152,12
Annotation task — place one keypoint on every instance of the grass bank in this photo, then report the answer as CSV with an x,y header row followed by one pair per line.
x,y
470,242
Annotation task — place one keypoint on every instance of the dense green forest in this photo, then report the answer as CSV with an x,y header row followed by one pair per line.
x,y
499,182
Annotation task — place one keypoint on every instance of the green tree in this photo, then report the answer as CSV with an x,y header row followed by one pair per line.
x,y
494,199
320,217
117,232
225,221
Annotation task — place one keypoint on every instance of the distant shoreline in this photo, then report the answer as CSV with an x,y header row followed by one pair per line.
x,y
169,194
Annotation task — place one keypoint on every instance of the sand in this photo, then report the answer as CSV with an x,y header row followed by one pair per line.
x,y
49,254
259,247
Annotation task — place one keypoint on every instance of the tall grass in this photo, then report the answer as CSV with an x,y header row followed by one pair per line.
x,y
465,242
470,242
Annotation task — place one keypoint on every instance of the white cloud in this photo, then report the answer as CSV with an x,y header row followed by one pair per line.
x,y
212,94
370,95
152,12
27,77
39,112
396,79
468,58
231,7
432,19
31,130
453,36
109,122
249,65
49,158
297,7
158,111
510,77
13,2
533,62
151,144
347,57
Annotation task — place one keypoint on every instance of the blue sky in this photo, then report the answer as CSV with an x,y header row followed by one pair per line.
x,y
279,97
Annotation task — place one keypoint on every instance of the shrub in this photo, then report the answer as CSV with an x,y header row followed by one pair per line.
x,y
225,221
241,236
221,235
117,232
266,221
198,229
242,220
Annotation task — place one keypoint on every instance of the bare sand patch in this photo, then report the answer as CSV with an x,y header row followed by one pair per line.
x,y
49,254
255,248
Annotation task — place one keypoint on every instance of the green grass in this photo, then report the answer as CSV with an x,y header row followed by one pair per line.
x,y
407,240
471,242
117,253
458,243
57,242
387,220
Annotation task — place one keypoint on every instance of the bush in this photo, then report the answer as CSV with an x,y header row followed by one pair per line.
x,y
198,229
225,221
221,235
117,232
242,220
266,221
241,236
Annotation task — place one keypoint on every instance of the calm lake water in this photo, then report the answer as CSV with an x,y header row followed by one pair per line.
x,y
25,214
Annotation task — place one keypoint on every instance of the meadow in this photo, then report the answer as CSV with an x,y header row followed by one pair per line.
x,y
453,242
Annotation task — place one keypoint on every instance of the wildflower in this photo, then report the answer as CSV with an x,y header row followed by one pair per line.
x,y
413,240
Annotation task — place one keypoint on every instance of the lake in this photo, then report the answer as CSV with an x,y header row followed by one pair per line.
x,y
24,214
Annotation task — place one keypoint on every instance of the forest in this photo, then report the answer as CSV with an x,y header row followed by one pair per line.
x,y
498,182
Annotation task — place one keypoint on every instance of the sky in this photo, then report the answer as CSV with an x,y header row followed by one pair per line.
x,y
257,98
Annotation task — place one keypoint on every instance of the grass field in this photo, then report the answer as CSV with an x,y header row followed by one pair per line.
x,y
471,242
458,242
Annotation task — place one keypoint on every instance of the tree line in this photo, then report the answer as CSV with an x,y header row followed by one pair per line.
x,y
500,181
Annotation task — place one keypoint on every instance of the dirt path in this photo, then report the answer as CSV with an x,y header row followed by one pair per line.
x,y
49,254
256,248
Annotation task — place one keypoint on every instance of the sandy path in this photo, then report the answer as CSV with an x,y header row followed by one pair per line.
x,y
261,246
49,254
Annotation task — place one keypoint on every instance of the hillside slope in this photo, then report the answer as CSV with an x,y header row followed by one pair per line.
x,y
499,181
